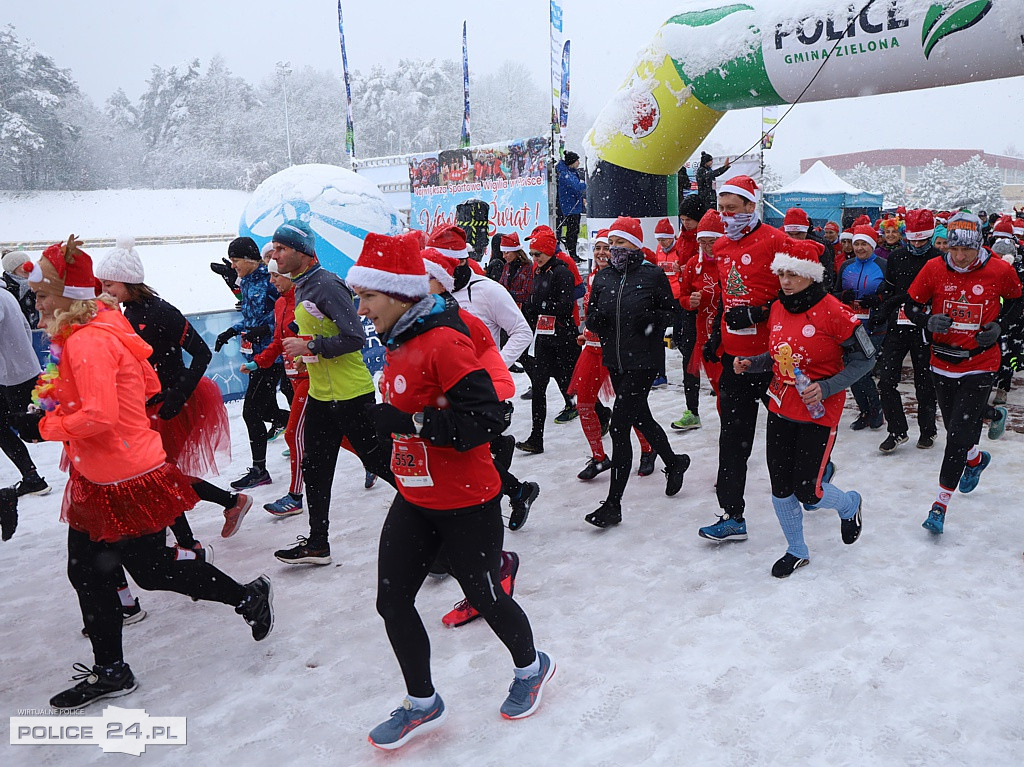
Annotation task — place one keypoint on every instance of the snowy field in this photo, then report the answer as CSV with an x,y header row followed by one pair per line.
x,y
898,650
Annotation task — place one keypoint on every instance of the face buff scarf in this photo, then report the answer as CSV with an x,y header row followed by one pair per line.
x,y
739,225
619,257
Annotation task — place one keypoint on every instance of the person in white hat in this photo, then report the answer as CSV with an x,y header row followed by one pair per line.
x,y
16,266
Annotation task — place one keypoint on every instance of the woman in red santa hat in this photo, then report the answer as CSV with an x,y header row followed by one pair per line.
x,y
816,349
448,489
122,493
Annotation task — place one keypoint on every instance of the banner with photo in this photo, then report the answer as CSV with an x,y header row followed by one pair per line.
x,y
511,177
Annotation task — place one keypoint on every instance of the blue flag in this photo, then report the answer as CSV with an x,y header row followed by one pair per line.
x,y
350,135
563,101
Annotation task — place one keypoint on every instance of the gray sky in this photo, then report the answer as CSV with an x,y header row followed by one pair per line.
x,y
114,43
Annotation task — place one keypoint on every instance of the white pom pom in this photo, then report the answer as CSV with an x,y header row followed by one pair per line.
x,y
125,242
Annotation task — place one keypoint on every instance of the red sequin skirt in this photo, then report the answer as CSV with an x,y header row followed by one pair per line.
x,y
200,433
130,508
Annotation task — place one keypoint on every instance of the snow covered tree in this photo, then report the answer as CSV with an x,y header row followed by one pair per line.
x,y
933,188
888,181
860,176
976,184
770,180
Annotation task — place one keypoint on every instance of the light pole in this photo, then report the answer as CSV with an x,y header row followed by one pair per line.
x,y
284,68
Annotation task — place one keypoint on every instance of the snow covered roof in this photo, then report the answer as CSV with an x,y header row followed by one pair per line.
x,y
819,179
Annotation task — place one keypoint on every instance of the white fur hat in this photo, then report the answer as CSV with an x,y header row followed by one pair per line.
x,y
121,263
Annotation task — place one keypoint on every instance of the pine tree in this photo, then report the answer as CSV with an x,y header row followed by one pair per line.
x,y
933,188
976,184
860,176
734,283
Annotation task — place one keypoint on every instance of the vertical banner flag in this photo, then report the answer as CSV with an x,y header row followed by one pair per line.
x,y
350,135
556,63
465,89
563,101
769,118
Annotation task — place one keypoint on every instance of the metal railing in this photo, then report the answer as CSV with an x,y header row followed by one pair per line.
x,y
109,242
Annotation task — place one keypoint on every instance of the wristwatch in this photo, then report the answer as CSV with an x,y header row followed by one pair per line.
x,y
417,422
309,345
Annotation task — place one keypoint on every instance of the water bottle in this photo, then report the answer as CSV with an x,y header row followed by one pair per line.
x,y
816,410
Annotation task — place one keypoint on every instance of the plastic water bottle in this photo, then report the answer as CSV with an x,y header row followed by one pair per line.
x,y
816,410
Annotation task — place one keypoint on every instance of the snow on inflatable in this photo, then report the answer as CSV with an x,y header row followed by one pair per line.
x,y
341,208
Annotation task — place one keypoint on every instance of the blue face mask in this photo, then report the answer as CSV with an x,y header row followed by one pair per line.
x,y
619,257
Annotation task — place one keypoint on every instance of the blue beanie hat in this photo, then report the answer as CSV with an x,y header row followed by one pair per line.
x,y
940,233
296,234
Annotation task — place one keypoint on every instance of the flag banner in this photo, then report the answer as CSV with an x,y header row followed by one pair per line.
x,y
556,60
350,136
563,101
465,89
769,118
511,177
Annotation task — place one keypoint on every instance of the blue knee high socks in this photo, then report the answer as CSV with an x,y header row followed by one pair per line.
x,y
791,517
834,498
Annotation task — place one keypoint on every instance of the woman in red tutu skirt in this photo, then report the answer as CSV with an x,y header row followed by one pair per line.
x,y
122,493
590,380
188,412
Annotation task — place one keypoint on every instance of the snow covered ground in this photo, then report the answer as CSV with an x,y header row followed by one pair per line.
x,y
898,650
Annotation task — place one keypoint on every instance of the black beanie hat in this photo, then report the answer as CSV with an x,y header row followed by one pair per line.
x,y
690,207
244,247
705,157
571,157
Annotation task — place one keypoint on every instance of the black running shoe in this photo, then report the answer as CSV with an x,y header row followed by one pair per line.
x,y
593,468
785,566
608,514
926,442
531,446
252,478
893,441
521,506
851,527
860,423
31,486
258,607
8,512
569,413
647,461
674,474
528,394
97,683
305,554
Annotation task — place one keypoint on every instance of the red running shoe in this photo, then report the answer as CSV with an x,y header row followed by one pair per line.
x,y
464,612
233,516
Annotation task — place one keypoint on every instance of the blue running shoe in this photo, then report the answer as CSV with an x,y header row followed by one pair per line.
x,y
659,383
524,694
972,474
284,507
725,529
370,480
407,723
997,426
936,518
826,477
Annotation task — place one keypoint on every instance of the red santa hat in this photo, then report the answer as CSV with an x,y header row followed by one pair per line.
x,y
1018,227
440,267
862,220
710,225
801,257
847,234
796,220
543,242
510,243
865,233
391,265
833,226
628,229
744,186
449,240
920,224
64,270
664,229
602,236
1003,227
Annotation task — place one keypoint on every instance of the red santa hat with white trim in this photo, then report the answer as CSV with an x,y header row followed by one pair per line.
x,y
801,257
1003,228
449,240
64,271
510,243
602,236
710,225
744,186
846,234
391,265
796,220
920,224
628,229
664,229
440,267
865,233
1018,227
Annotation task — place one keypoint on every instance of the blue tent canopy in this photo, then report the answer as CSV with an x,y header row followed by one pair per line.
x,y
824,196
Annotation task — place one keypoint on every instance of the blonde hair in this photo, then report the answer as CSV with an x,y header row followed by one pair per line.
x,y
79,313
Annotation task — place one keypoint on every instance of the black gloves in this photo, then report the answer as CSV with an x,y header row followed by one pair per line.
x,y
227,273
940,323
258,332
173,401
740,317
27,425
390,420
710,350
988,335
223,338
8,512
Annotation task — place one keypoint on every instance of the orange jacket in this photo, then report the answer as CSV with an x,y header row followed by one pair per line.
x,y
105,380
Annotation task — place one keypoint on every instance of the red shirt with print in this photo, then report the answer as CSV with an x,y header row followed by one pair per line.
x,y
669,263
416,376
810,341
746,279
971,299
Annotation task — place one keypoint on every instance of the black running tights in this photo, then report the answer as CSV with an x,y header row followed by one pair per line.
x,y
962,402
260,408
632,410
15,399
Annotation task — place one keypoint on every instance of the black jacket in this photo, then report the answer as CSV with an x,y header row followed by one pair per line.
x,y
706,185
165,329
629,311
26,299
552,294
903,266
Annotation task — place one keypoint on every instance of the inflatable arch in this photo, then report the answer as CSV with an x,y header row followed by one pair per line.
x,y
709,59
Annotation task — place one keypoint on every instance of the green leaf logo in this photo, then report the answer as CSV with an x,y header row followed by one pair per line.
x,y
944,19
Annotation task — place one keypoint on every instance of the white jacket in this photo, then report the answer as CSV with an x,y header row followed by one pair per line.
x,y
18,360
495,307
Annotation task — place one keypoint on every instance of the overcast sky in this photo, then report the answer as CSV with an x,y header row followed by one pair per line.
x,y
114,43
